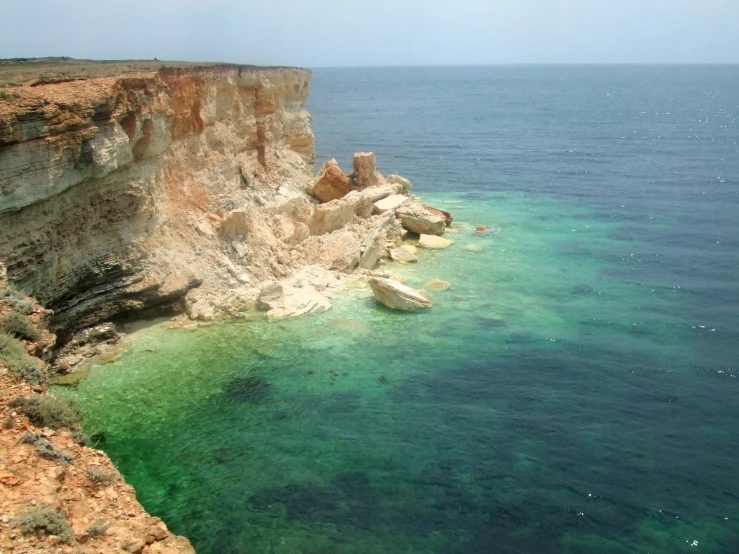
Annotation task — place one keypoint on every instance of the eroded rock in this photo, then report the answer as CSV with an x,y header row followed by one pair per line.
x,y
365,169
391,202
331,183
434,242
398,296
403,255
419,219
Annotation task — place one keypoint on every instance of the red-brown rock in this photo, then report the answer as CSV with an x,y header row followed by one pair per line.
x,y
331,183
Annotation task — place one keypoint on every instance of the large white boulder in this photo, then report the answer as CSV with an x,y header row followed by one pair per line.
x,y
397,296
417,218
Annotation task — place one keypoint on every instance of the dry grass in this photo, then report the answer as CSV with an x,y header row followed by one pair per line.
x,y
38,71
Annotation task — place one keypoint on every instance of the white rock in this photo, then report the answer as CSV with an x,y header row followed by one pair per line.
x,y
434,242
391,202
397,296
403,255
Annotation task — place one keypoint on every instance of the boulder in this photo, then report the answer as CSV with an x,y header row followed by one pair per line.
x,y
372,248
403,255
296,301
396,295
446,215
336,214
235,223
365,169
270,297
402,181
434,242
381,191
390,203
417,218
438,285
331,183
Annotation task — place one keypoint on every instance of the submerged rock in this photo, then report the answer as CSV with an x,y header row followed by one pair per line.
x,y
403,255
299,301
397,296
248,389
438,285
434,242
472,247
490,322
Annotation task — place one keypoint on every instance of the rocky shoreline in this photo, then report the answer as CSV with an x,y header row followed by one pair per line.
x,y
185,192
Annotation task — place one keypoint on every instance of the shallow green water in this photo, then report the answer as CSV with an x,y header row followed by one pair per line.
x,y
548,402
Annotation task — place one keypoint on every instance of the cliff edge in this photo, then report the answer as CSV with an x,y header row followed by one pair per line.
x,y
112,187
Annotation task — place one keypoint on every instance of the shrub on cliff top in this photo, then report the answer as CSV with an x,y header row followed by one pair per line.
x,y
14,323
98,529
45,521
14,356
49,411
101,478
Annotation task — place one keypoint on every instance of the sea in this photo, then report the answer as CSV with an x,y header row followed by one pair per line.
x,y
576,388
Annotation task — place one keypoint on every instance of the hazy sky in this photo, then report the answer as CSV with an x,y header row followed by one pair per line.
x,y
316,33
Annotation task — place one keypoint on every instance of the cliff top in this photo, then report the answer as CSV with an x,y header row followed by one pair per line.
x,y
36,71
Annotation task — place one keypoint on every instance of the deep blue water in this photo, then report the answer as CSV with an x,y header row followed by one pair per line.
x,y
636,145
575,390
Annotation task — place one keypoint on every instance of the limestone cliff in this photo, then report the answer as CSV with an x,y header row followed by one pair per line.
x,y
112,187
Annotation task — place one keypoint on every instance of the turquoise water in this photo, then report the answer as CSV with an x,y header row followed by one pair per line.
x,y
573,391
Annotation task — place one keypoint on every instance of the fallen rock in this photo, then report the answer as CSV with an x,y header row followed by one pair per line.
x,y
446,215
299,301
417,218
201,310
402,181
365,169
331,183
396,295
411,248
336,214
403,255
371,249
438,285
390,202
382,191
270,297
434,242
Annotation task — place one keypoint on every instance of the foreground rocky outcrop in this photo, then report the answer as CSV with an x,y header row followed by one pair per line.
x,y
57,495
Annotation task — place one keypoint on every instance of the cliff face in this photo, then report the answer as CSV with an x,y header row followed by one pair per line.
x,y
112,188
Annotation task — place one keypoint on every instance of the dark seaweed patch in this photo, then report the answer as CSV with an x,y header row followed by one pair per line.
x,y
248,389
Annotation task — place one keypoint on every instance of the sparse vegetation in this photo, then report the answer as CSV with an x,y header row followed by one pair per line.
x,y
16,301
98,529
13,323
13,354
45,448
49,411
45,521
101,478
80,437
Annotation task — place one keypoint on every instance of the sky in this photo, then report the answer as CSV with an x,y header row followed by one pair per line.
x,y
322,33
